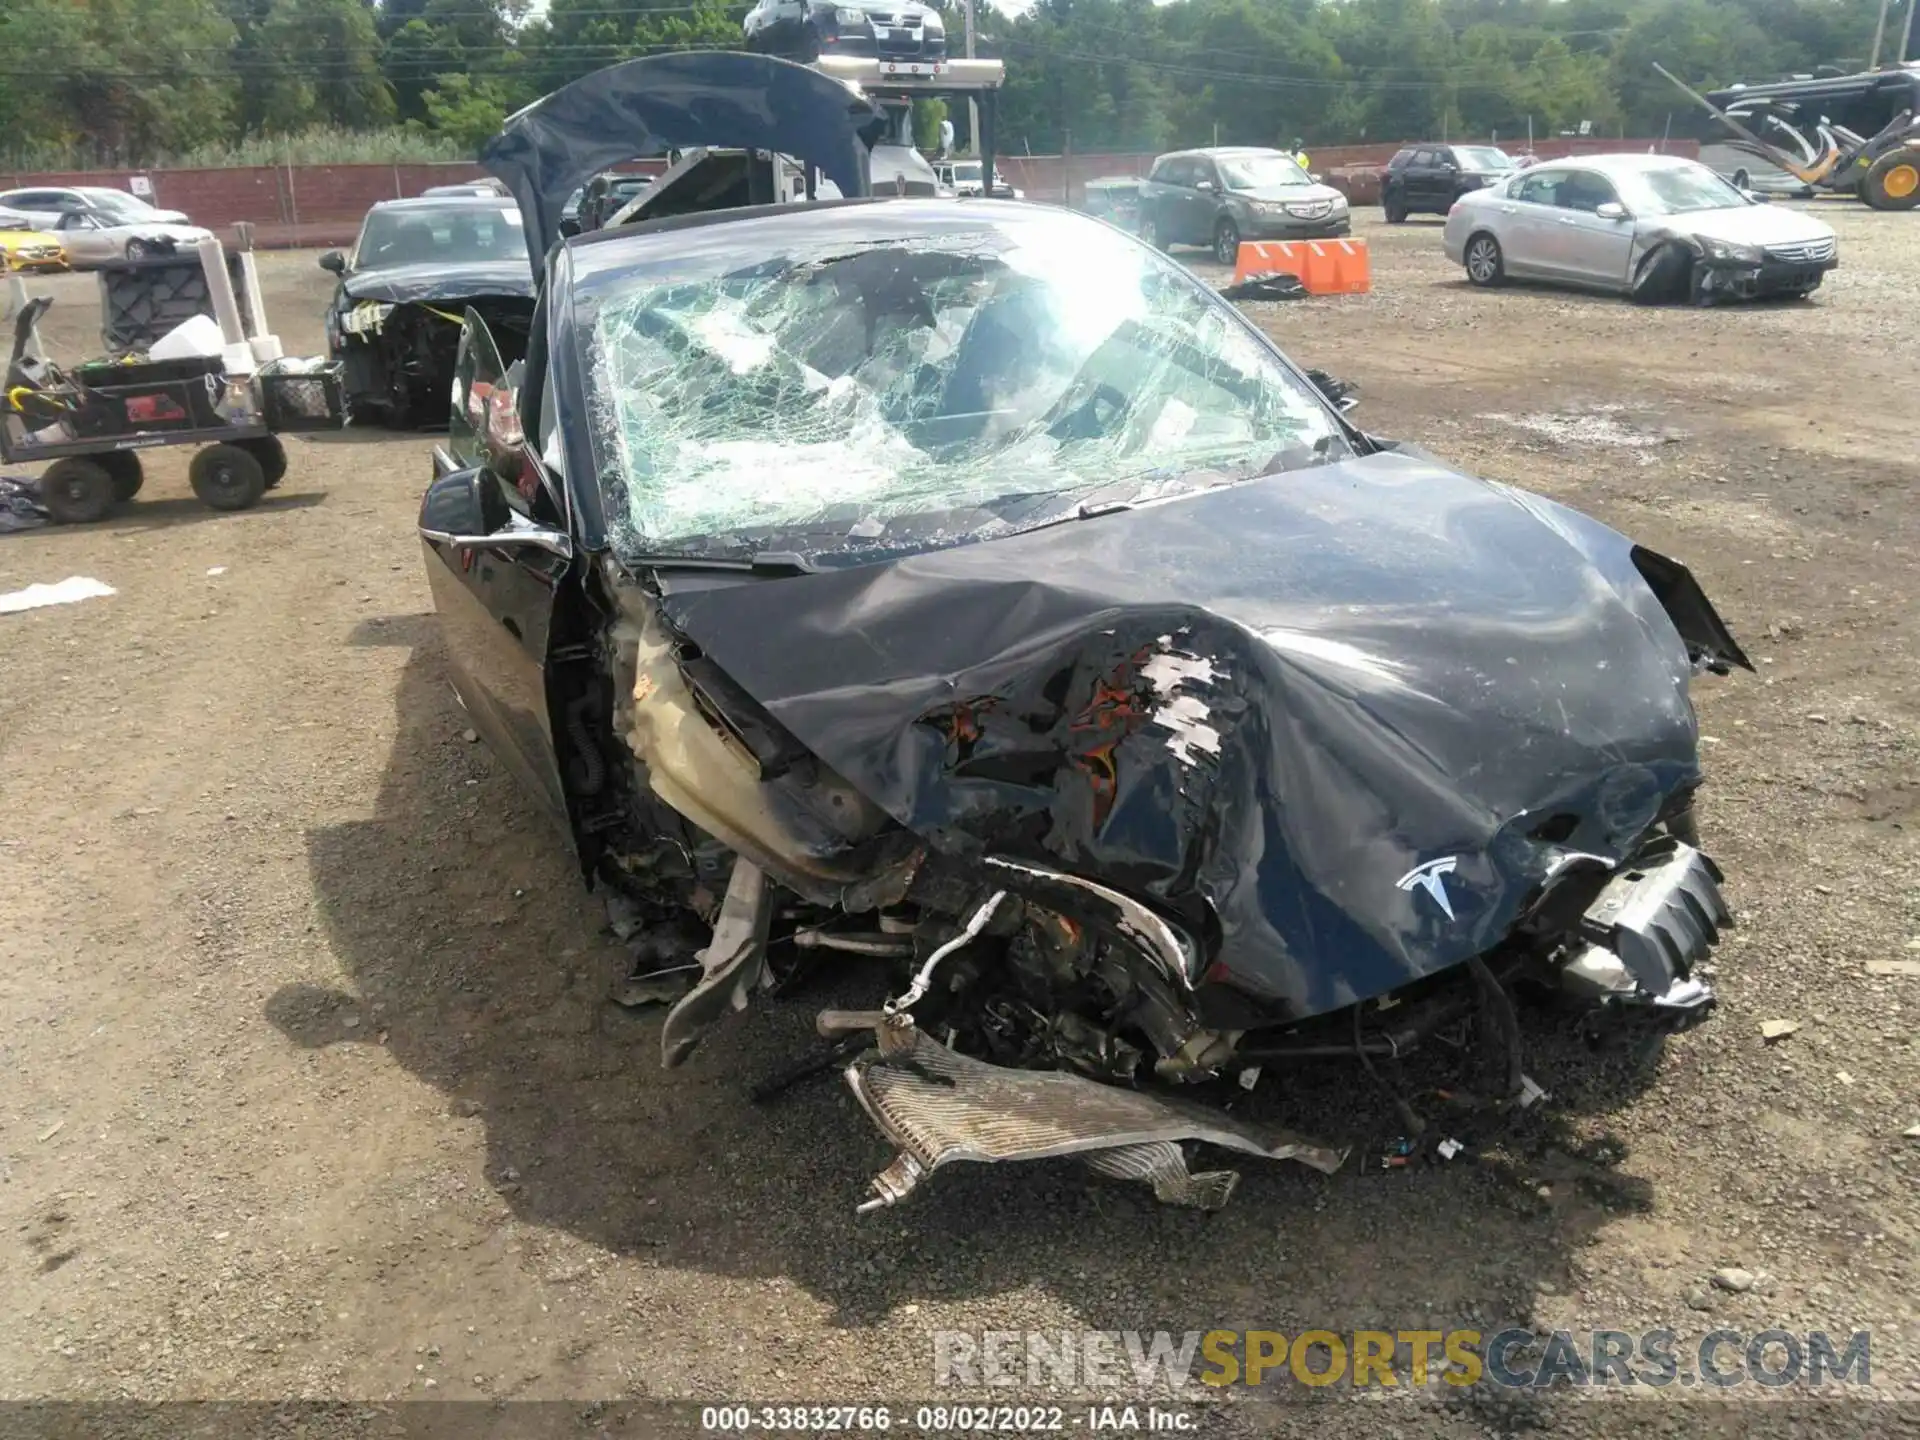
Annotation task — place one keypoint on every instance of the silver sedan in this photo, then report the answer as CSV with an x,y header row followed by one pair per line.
x,y
1650,226
99,237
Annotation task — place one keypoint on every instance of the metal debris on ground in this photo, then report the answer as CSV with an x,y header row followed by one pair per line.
x,y
1530,1092
1449,1148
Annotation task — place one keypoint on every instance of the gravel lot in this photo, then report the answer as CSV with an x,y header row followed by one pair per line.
x,y
311,1088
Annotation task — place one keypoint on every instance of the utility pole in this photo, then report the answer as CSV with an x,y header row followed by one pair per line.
x,y
973,106
1906,35
1879,31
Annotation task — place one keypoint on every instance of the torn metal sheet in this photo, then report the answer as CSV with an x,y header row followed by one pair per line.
x,y
939,1106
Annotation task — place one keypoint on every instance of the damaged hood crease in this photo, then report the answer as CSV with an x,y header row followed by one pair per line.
x,y
1256,709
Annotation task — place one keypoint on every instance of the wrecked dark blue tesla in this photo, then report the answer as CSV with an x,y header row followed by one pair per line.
x,y
962,590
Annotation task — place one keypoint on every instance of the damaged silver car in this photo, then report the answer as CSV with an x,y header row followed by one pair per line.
x,y
1655,227
964,598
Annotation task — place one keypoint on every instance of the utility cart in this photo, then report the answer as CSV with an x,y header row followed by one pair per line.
x,y
92,422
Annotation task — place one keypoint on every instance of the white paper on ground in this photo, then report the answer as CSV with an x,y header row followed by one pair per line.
x,y
65,592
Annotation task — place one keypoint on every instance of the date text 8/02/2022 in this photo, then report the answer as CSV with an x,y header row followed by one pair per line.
x,y
1159,1362
944,1419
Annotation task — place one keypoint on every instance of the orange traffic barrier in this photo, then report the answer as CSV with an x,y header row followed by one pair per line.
x,y
1325,267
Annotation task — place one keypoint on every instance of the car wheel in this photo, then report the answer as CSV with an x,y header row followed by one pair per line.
x,y
1150,232
1894,181
271,454
1485,264
226,477
1396,210
1226,242
138,250
128,476
77,492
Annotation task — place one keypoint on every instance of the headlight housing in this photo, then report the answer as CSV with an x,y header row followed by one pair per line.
x,y
1730,253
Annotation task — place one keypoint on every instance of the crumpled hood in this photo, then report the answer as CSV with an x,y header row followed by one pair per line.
x,y
409,284
1753,225
1257,708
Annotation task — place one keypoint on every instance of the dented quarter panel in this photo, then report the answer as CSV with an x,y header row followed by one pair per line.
x,y
1257,709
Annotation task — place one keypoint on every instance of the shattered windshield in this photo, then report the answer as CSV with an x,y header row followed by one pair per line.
x,y
1678,190
1259,172
865,393
441,235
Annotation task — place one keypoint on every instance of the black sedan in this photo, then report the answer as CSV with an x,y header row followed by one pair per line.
x,y
404,290
979,593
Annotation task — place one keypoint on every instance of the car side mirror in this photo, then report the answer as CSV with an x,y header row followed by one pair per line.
x,y
465,510
569,228
1612,210
1203,185
463,504
334,261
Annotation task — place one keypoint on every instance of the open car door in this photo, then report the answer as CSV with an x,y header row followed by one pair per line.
x,y
496,550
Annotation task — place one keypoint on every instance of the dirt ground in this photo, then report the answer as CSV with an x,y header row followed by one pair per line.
x,y
311,1088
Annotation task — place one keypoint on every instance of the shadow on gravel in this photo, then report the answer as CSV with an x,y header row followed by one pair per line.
x,y
476,957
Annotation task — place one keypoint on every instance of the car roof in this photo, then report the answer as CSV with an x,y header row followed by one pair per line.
x,y
425,203
1222,150
1619,164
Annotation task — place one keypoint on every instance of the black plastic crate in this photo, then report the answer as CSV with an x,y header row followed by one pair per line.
x,y
141,301
150,399
296,400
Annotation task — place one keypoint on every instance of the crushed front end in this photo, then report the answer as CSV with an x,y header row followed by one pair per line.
x,y
1118,845
400,356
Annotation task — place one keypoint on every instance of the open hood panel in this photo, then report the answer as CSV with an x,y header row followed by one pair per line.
x,y
1265,709
646,107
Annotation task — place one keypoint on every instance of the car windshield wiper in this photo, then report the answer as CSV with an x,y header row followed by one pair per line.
x,y
762,562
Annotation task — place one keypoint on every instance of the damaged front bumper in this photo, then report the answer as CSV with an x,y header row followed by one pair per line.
x,y
1648,931
1738,280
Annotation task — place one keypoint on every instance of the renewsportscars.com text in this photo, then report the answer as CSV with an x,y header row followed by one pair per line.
x,y
1159,1360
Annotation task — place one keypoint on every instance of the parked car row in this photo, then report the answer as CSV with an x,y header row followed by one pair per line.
x,y
1655,227
93,224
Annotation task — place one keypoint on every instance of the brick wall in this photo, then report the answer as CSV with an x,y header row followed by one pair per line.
x,y
320,205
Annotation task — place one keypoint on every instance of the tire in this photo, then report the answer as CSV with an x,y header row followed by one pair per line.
x,y
1150,233
138,250
1226,242
1485,265
76,491
226,477
1396,210
272,456
128,476
1894,181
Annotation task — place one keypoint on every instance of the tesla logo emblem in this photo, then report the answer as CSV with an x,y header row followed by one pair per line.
x,y
1429,877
